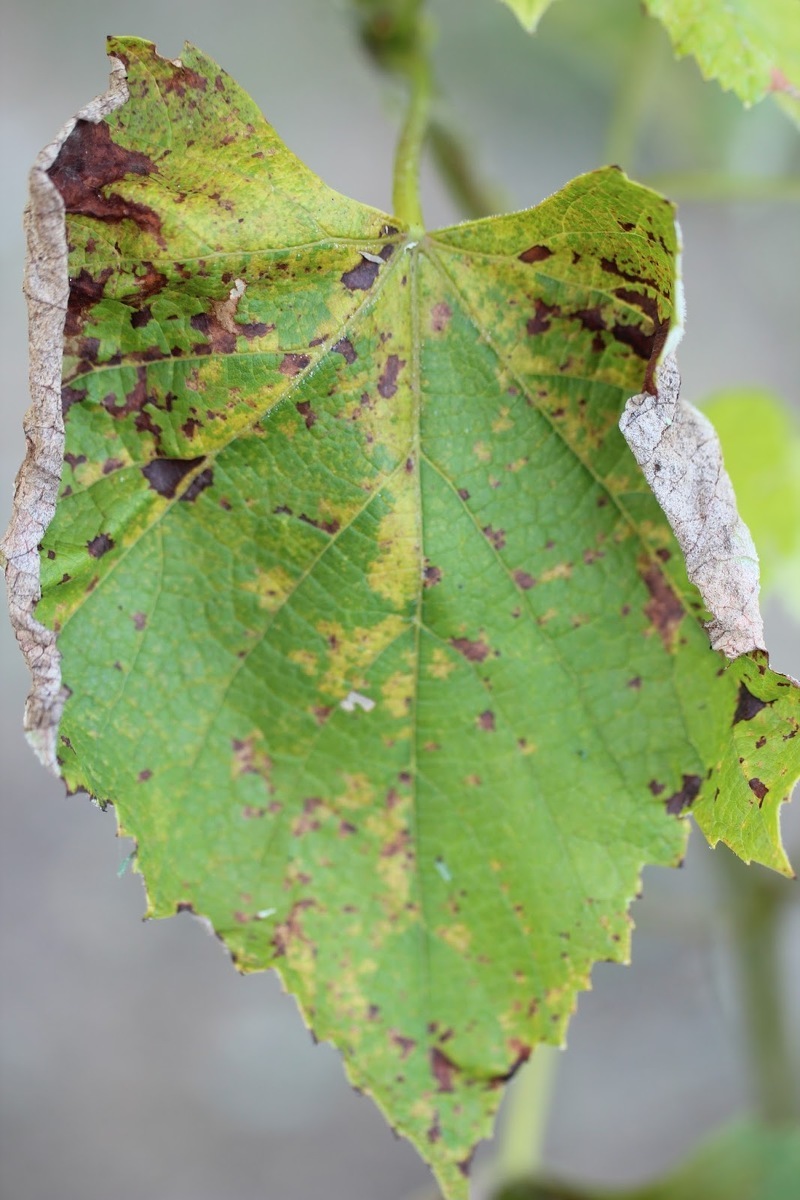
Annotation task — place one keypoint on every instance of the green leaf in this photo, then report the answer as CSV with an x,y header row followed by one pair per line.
x,y
761,442
746,1161
369,625
751,47
529,12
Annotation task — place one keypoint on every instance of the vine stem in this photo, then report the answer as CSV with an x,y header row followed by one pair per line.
x,y
474,197
631,99
713,188
755,904
521,1144
406,192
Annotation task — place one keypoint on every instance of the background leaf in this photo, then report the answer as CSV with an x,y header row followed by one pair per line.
x,y
529,12
745,1162
761,442
751,48
297,697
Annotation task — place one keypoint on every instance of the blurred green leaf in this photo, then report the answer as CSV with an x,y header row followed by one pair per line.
x,y
529,12
751,47
745,1162
760,438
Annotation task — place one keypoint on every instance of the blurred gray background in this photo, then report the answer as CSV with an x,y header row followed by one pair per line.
x,y
134,1061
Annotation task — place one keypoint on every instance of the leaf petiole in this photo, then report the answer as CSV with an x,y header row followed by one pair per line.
x,y
406,192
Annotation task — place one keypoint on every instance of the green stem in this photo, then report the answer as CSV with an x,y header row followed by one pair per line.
x,y
521,1145
714,188
630,100
474,197
406,193
755,904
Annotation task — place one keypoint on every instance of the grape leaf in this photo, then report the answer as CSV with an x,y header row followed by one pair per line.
x,y
529,12
751,48
355,603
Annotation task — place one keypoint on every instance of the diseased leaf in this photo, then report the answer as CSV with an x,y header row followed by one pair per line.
x,y
751,47
529,12
369,624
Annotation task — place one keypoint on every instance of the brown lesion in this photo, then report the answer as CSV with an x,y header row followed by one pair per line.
x,y
685,796
535,254
165,475
291,930
664,610
473,651
88,163
748,705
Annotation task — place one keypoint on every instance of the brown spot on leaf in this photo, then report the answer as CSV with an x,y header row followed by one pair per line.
x,y
307,413
291,929
475,651
404,1044
100,545
613,268
641,343
664,610
70,396
541,320
362,276
444,1070
655,787
199,484
164,475
496,536
440,316
183,78
748,705
535,254
387,384
591,319
144,775
635,683
88,163
345,347
139,620
432,576
463,494
523,580
758,789
685,797
221,340
293,364
135,399
307,822
486,721
434,1133
640,300
84,291
331,526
